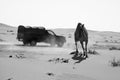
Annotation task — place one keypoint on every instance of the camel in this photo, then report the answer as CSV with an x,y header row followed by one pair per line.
x,y
81,35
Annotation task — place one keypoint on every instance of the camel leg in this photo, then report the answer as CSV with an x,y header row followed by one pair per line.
x,y
76,47
86,49
83,48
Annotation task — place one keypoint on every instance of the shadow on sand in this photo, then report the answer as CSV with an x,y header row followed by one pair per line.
x,y
77,56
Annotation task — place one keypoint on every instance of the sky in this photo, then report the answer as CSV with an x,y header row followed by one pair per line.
x,y
101,15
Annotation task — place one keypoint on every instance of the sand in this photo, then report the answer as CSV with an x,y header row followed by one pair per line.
x,y
43,62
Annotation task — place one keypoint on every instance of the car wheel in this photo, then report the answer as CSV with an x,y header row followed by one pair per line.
x,y
33,43
25,43
60,44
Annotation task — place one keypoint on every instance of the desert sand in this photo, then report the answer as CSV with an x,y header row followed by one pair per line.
x,y
42,62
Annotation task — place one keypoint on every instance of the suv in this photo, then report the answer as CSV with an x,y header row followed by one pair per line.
x,y
32,35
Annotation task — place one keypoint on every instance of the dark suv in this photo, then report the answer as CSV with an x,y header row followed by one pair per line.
x,y
32,35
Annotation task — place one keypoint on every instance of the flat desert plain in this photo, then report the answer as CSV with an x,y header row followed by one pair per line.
x,y
42,62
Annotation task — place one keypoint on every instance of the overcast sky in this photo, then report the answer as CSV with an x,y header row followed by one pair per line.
x,y
103,15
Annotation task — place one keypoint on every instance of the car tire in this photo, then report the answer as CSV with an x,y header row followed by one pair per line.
x,y
33,43
60,44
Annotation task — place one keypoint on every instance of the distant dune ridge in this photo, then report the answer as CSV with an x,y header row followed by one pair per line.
x,y
96,38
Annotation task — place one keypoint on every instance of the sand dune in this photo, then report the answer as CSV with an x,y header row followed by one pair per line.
x,y
43,62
